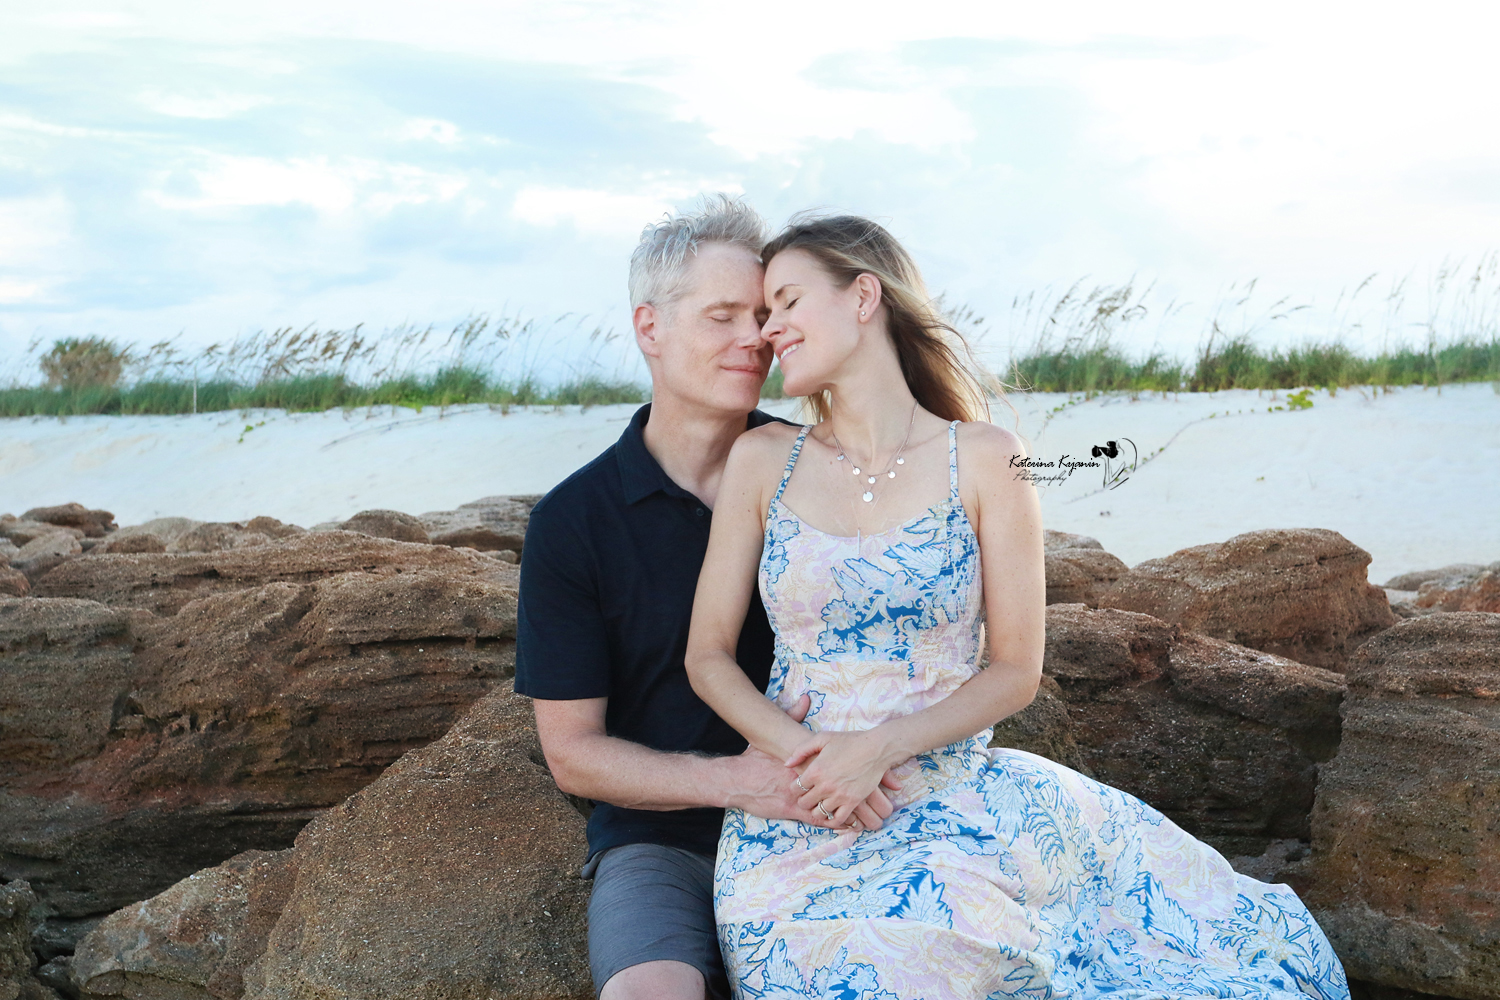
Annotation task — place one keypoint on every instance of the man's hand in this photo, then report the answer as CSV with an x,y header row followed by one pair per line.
x,y
764,786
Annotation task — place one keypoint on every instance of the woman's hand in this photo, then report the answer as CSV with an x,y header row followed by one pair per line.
x,y
846,773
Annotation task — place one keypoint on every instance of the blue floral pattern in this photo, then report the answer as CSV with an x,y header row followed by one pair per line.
x,y
1001,873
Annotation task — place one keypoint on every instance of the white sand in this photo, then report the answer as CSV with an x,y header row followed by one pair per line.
x,y
1412,476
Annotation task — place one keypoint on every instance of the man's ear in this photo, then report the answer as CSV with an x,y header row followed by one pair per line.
x,y
647,323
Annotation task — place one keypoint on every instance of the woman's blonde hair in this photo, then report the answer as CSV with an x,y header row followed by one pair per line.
x,y
939,367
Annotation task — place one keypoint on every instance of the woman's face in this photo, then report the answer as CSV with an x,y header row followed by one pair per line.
x,y
813,326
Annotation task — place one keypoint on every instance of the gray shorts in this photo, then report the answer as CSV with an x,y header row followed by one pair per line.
x,y
652,903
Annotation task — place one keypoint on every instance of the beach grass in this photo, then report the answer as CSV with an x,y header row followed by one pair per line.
x,y
1070,341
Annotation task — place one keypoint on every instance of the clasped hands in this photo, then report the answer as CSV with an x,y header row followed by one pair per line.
x,y
841,776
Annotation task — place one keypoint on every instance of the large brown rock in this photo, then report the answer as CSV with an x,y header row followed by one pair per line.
x,y
1078,569
193,940
1478,591
164,582
93,523
45,552
386,524
149,747
1224,739
489,524
1301,593
1405,874
13,582
19,531
455,875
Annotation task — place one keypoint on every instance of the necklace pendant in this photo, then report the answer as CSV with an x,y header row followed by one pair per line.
x,y
871,480
856,470
869,496
891,474
900,461
841,456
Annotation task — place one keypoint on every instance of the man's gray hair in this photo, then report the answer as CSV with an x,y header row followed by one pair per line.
x,y
659,265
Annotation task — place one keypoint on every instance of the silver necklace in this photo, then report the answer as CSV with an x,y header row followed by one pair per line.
x,y
890,470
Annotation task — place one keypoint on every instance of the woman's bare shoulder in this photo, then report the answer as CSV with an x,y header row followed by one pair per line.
x,y
763,449
988,443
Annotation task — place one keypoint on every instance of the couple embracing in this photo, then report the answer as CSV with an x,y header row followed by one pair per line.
x,y
756,647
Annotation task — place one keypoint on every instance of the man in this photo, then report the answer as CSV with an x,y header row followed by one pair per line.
x,y
611,563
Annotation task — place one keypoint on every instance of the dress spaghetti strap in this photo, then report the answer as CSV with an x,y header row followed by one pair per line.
x,y
790,462
953,460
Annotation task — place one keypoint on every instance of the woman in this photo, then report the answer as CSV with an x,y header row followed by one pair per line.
x,y
883,537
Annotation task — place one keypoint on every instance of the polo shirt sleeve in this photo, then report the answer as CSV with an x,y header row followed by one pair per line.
x,y
562,647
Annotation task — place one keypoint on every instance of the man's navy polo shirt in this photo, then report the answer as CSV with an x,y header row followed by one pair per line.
x,y
609,570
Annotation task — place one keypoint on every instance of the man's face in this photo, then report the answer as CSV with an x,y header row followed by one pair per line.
x,y
706,349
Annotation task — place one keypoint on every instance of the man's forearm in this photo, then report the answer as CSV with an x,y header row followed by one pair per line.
x,y
626,774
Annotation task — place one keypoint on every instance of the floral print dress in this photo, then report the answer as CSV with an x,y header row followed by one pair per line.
x,y
1001,873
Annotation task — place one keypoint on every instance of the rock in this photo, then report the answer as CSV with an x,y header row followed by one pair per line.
x,y
194,939
93,523
13,583
217,536
8,550
386,524
453,875
1043,728
1224,739
1300,593
489,524
1477,592
1078,569
17,962
163,583
44,553
235,721
168,529
1415,579
272,528
132,544
19,531
1406,830
1280,860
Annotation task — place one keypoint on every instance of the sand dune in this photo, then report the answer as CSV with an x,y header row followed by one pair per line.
x,y
1413,475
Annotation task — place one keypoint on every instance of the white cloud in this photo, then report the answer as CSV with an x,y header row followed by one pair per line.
x,y
13,291
217,105
430,129
602,212
326,185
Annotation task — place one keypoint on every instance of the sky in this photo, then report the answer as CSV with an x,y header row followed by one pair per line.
x,y
208,170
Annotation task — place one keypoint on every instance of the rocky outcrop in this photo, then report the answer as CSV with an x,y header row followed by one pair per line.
x,y
1415,579
1224,739
164,582
385,524
93,523
1300,593
44,553
1477,591
454,875
1405,873
1078,569
19,531
140,748
490,524
193,940
13,582
17,962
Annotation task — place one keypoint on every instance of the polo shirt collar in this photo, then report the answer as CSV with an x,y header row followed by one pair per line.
x,y
640,473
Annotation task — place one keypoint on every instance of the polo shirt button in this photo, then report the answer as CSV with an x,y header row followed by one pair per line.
x,y
700,511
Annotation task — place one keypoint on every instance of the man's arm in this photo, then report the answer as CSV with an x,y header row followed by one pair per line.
x,y
586,761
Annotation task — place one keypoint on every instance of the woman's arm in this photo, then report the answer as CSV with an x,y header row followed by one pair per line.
x,y
1006,514
723,596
